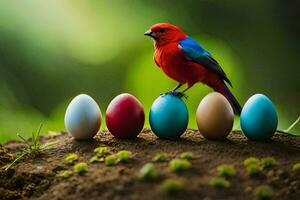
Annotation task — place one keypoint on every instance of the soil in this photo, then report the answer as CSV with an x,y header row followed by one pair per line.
x,y
36,178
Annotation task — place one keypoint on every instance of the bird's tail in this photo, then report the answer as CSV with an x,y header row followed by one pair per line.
x,y
223,89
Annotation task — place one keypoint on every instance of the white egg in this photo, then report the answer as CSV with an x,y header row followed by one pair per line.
x,y
83,117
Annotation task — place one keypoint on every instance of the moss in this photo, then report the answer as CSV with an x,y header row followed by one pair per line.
x,y
65,174
253,169
226,170
296,167
178,165
71,158
263,192
171,186
268,162
124,155
81,168
219,183
160,157
250,161
148,172
186,155
110,160
101,151
95,159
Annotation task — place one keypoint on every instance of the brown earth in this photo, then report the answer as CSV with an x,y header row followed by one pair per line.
x,y
35,178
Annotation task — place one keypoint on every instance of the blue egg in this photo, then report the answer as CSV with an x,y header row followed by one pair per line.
x,y
168,117
259,118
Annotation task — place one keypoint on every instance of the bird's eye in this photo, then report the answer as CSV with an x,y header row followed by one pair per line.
x,y
162,30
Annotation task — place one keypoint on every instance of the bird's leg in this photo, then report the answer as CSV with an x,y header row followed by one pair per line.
x,y
174,91
179,94
186,89
182,93
177,87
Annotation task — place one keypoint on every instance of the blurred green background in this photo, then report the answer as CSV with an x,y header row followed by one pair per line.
x,y
51,51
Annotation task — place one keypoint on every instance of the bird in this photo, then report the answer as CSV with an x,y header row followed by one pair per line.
x,y
185,60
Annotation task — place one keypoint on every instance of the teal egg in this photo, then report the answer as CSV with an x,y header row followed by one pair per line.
x,y
259,118
168,117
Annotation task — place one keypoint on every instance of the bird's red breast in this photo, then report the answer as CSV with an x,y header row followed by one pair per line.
x,y
174,64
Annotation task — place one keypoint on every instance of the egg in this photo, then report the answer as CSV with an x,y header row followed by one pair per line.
x,y
259,118
83,117
168,117
214,116
125,116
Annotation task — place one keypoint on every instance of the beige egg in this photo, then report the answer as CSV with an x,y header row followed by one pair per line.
x,y
214,116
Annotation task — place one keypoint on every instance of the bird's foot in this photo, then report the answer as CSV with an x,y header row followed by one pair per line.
x,y
175,93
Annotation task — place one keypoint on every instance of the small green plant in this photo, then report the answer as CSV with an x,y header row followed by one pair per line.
x,y
81,168
263,192
171,186
71,158
65,174
250,161
186,155
95,159
253,169
219,183
160,157
31,149
226,170
268,162
148,172
101,151
178,165
124,156
296,167
110,160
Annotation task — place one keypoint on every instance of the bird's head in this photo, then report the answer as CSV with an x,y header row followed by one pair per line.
x,y
164,33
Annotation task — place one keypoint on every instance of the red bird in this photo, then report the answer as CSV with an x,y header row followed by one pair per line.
x,y
184,60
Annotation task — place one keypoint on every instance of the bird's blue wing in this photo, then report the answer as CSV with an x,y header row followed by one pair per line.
x,y
195,52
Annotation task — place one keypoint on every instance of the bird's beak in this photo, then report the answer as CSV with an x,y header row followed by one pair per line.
x,y
150,34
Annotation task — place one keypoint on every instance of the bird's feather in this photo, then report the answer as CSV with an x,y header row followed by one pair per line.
x,y
195,52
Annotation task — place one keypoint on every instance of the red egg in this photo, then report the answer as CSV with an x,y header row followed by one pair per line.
x,y
125,116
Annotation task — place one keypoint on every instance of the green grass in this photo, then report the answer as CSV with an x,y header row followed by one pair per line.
x,y
31,149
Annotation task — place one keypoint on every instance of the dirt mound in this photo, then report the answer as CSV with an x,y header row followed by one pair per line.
x,y
36,178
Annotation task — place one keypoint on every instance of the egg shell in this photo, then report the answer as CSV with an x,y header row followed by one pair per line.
x,y
83,117
214,116
125,116
259,118
168,117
